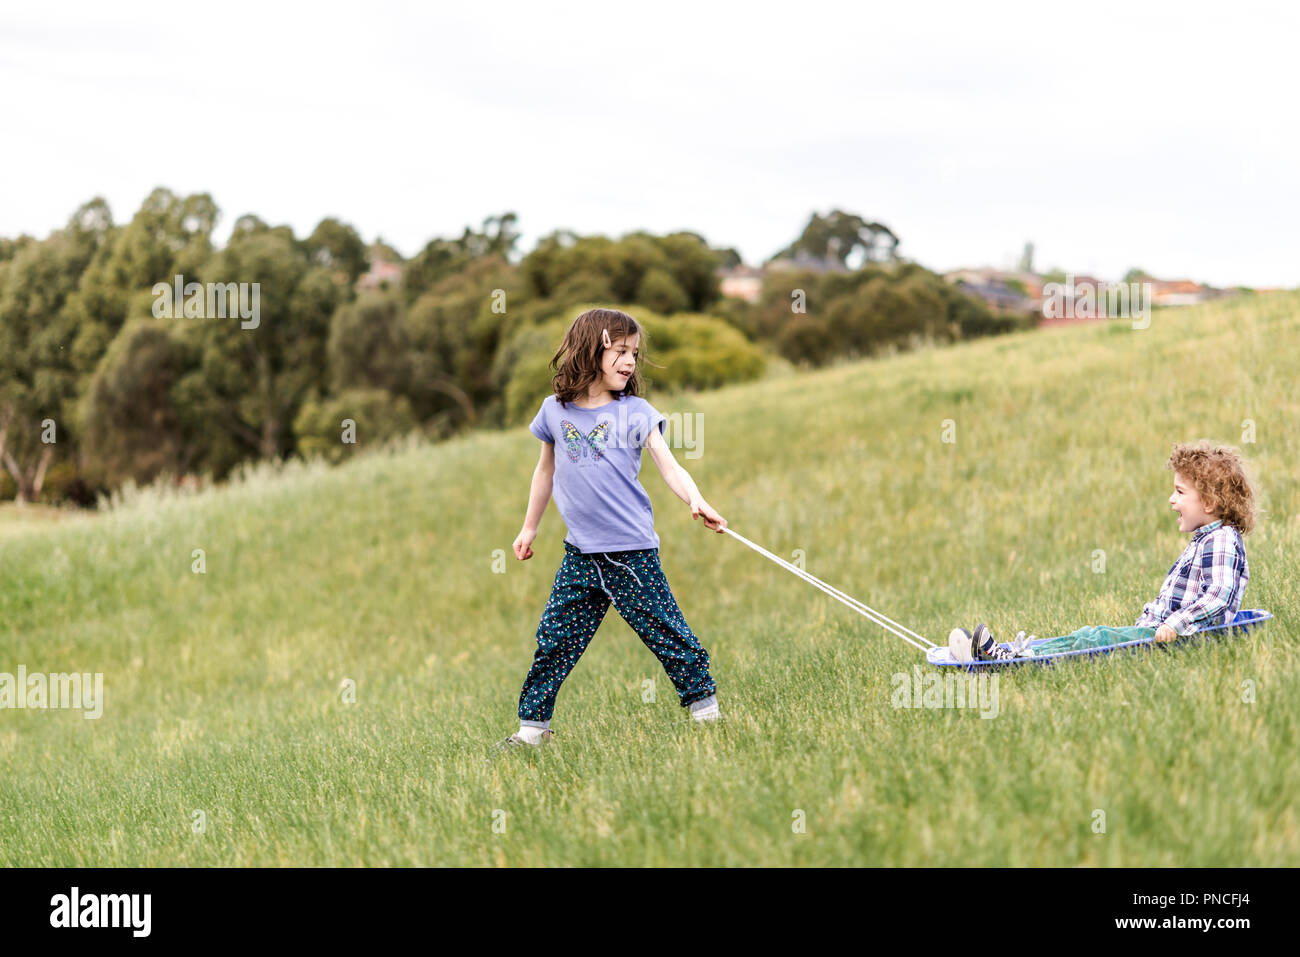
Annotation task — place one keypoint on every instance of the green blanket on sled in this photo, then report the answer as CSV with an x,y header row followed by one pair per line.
x,y
1092,636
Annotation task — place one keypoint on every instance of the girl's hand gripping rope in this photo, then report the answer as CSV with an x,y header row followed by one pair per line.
x,y
712,519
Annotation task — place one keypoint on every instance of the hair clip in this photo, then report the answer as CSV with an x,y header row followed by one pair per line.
x,y
604,337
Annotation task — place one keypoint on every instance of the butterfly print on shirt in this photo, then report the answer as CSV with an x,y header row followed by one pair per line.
x,y
577,444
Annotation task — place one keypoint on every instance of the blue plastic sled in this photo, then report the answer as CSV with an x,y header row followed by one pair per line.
x,y
1241,623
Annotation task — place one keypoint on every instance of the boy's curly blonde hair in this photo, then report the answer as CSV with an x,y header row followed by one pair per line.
x,y
1219,476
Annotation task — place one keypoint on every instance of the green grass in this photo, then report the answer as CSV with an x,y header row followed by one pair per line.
x,y
223,689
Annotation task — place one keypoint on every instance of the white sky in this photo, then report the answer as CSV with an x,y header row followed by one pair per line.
x,y
1110,134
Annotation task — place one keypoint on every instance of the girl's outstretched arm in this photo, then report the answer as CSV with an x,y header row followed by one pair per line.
x,y
680,481
538,496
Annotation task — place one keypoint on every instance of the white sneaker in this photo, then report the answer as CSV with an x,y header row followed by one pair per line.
x,y
706,709
961,645
518,741
1020,646
987,649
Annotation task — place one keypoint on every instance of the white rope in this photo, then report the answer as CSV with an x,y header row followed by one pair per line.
x,y
864,610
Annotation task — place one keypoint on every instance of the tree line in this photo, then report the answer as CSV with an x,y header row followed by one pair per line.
x,y
113,369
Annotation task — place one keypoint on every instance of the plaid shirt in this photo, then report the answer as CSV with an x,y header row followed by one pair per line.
x,y
1205,585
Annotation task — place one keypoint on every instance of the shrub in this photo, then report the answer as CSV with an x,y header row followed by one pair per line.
x,y
685,351
366,416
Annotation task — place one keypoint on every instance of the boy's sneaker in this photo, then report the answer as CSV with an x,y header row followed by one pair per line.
x,y
987,649
961,645
1020,645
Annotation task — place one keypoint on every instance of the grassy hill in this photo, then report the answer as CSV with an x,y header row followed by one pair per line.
x,y
224,691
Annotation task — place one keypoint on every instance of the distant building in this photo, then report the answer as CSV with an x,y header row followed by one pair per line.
x,y
1080,298
742,282
1005,290
807,261
1000,289
746,282
382,274
1179,292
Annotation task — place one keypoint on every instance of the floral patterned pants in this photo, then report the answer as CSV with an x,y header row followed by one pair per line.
x,y
584,587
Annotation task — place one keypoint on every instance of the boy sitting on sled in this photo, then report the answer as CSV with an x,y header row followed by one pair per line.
x,y
1216,504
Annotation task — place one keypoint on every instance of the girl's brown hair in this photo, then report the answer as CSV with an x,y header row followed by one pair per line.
x,y
1220,478
577,361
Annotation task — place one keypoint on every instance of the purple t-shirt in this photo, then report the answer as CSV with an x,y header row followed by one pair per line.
x,y
597,458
